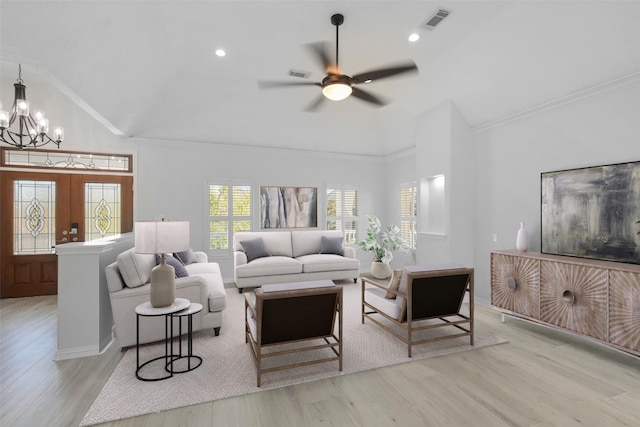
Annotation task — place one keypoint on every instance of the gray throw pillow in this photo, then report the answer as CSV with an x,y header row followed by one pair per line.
x,y
331,245
177,265
187,257
254,249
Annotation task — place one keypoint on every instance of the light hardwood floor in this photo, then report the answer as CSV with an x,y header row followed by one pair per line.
x,y
541,377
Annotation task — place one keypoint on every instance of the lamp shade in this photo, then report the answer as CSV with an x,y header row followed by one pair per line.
x,y
159,237
337,91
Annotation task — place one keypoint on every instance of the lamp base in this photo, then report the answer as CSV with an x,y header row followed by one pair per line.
x,y
163,285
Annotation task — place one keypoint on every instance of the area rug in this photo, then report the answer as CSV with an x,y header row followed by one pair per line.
x,y
228,370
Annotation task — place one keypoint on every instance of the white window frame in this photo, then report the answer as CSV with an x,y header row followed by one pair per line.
x,y
230,218
411,220
343,218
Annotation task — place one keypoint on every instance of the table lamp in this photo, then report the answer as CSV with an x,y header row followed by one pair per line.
x,y
160,237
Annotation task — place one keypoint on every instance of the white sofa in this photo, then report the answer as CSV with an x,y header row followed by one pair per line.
x,y
293,256
128,282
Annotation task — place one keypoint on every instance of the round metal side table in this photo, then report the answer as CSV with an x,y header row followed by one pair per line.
x,y
147,310
192,362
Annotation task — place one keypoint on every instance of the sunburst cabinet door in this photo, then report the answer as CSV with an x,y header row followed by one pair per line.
x,y
515,284
624,309
574,297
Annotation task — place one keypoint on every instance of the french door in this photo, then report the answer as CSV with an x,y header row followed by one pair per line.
x,y
41,210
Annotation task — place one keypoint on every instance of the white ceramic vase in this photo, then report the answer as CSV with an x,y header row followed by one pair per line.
x,y
522,240
380,270
163,287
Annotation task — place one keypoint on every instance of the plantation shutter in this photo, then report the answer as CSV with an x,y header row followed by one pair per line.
x,y
343,212
408,213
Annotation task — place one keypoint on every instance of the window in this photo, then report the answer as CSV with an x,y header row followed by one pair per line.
x,y
229,211
102,210
34,218
408,213
342,212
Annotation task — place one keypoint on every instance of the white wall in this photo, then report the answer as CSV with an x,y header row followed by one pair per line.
x,y
600,129
82,131
399,169
445,164
173,178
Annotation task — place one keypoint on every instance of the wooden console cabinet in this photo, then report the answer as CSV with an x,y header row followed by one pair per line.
x,y
595,299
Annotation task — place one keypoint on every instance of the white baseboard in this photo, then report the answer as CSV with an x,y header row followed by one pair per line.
x,y
74,353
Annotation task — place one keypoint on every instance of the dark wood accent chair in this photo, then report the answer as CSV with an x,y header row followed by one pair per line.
x,y
424,300
294,316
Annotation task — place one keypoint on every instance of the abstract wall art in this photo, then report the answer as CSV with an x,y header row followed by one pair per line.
x,y
288,207
592,212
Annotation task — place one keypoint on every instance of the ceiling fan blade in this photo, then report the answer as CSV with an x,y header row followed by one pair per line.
x,y
320,51
272,84
385,72
315,104
366,96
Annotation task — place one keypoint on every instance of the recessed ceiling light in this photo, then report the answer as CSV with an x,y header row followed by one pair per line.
x,y
414,37
221,52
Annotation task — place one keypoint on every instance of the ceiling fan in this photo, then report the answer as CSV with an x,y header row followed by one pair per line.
x,y
337,86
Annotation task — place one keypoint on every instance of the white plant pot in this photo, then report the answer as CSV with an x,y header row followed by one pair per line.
x,y
380,270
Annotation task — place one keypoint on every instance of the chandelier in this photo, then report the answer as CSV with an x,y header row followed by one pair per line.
x,y
30,131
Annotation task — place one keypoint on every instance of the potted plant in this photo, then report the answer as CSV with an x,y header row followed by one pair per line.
x,y
382,242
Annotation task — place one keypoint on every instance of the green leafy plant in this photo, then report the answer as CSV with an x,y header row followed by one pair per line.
x,y
382,241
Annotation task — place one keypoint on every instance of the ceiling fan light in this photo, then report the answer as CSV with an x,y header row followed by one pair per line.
x,y
337,91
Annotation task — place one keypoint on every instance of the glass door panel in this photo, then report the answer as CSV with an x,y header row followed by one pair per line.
x,y
34,218
103,216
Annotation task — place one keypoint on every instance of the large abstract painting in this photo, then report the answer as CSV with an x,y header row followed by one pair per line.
x,y
288,207
592,212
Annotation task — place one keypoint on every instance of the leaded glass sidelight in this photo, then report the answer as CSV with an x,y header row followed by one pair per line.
x,y
102,210
34,221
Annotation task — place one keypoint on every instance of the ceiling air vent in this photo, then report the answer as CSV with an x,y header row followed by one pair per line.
x,y
301,74
436,19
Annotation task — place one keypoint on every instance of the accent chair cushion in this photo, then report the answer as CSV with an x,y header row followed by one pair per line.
x,y
254,249
394,283
391,307
187,257
331,245
134,268
173,262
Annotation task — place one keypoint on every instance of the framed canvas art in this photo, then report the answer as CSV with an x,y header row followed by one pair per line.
x,y
288,207
592,212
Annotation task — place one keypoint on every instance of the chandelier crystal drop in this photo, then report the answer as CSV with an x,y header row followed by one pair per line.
x,y
22,129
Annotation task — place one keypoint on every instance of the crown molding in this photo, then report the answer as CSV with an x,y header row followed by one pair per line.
x,y
167,143
624,81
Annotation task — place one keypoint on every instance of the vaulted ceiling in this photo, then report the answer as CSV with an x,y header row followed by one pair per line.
x,y
149,69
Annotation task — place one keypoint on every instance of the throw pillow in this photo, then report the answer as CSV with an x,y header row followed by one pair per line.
x,y
173,262
394,283
187,257
331,245
134,268
254,249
